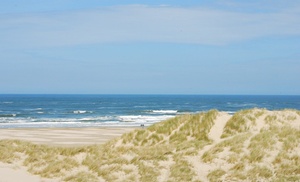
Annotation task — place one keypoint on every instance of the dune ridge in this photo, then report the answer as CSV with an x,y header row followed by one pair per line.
x,y
251,145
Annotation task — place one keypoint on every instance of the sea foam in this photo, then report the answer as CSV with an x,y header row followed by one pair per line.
x,y
165,111
81,112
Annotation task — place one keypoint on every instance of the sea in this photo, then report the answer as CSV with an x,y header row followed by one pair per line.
x,y
55,111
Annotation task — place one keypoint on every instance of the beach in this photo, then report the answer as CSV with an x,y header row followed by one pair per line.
x,y
65,137
61,137
251,145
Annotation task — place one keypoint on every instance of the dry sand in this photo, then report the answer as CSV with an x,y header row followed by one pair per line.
x,y
11,173
66,137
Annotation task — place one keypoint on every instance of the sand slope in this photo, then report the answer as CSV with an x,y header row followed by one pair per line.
x,y
13,173
251,145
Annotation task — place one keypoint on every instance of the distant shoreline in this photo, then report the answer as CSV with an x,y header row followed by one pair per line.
x,y
65,111
65,136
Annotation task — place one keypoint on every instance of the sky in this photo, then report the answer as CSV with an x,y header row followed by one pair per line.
x,y
150,47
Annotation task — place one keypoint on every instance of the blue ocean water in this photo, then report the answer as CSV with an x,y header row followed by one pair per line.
x,y
19,111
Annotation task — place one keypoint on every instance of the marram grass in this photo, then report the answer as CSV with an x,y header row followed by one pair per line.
x,y
177,150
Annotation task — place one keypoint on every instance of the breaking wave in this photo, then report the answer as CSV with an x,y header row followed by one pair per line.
x,y
165,111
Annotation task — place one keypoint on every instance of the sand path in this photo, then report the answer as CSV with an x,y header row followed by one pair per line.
x,y
217,129
202,168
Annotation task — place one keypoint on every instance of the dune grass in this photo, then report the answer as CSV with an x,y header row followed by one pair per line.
x,y
237,124
143,154
181,170
215,175
260,144
242,121
234,145
81,176
270,119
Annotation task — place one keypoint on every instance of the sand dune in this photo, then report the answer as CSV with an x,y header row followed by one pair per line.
x,y
251,145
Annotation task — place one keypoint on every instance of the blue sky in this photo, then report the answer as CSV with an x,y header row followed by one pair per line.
x,y
157,47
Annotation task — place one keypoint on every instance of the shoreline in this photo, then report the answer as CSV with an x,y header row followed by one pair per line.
x,y
41,125
65,137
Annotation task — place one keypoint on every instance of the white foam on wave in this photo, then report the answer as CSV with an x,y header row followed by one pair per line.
x,y
87,119
7,102
10,120
109,121
241,105
100,118
165,111
141,118
35,120
81,112
70,124
230,112
140,106
35,109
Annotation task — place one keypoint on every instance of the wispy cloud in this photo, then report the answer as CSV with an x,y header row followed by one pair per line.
x,y
139,23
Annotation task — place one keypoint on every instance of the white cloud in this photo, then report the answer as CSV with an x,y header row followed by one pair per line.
x,y
138,23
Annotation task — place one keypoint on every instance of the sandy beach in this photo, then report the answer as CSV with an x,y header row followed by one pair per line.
x,y
62,137
251,145
66,137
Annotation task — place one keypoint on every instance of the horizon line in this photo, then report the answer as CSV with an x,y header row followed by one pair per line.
x,y
149,94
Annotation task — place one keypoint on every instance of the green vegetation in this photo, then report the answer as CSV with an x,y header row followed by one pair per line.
x,y
237,124
260,144
215,175
270,119
242,121
234,145
81,176
169,150
181,170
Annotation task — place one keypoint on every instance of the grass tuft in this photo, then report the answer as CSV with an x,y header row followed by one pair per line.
x,y
236,124
216,175
81,177
181,170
